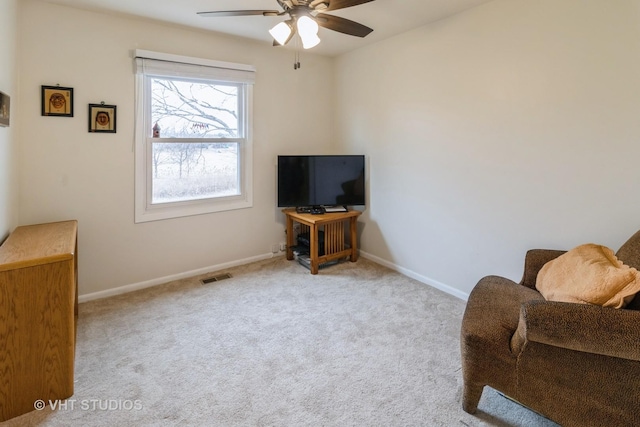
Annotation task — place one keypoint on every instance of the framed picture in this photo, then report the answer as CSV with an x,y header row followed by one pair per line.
x,y
102,118
57,101
5,109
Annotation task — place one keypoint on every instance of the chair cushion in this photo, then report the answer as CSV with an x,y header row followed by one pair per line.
x,y
589,274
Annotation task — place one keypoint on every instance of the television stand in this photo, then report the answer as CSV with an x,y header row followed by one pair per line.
x,y
334,235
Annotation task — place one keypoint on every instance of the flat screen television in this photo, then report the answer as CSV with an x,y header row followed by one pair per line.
x,y
320,181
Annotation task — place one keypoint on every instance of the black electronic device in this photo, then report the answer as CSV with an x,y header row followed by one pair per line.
x,y
316,181
304,242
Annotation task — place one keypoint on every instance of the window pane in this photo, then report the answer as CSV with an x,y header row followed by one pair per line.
x,y
194,171
189,109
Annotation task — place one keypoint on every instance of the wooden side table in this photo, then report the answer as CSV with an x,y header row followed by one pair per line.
x,y
334,243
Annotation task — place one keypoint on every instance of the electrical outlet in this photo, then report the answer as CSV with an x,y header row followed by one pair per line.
x,y
283,246
275,248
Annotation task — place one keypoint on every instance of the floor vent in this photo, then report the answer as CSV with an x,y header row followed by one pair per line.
x,y
215,278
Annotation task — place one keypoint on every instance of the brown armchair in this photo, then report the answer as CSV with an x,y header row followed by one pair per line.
x,y
577,364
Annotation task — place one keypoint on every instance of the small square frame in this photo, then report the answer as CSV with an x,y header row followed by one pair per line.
x,y
102,118
5,109
57,101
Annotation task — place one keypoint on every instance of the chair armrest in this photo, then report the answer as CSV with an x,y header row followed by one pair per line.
x,y
581,327
533,262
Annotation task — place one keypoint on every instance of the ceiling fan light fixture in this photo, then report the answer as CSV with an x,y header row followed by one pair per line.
x,y
310,40
281,32
306,16
308,31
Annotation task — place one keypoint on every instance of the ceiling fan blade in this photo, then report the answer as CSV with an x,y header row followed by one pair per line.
x,y
342,25
341,4
239,13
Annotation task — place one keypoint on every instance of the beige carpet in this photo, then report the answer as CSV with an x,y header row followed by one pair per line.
x,y
356,345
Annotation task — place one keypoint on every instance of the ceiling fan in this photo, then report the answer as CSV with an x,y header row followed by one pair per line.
x,y
305,18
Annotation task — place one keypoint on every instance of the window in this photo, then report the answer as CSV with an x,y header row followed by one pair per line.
x,y
193,136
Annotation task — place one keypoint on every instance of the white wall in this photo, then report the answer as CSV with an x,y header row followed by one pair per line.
x,y
65,172
513,125
510,126
8,143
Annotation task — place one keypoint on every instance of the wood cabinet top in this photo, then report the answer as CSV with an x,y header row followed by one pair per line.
x,y
32,245
307,218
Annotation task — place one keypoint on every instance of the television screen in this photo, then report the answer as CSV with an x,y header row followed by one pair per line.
x,y
321,181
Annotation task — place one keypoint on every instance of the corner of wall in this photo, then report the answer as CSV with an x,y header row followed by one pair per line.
x,y
8,144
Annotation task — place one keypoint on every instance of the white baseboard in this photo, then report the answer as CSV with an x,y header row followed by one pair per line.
x,y
420,278
160,280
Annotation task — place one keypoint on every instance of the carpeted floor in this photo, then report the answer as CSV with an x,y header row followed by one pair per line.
x,y
356,345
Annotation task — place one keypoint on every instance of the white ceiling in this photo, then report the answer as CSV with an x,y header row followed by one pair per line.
x,y
386,17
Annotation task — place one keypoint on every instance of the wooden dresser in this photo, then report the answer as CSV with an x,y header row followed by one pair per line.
x,y
38,315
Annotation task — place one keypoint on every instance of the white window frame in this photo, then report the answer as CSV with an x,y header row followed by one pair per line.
x,y
154,64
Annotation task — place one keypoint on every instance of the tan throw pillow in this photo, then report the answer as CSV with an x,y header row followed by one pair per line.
x,y
589,274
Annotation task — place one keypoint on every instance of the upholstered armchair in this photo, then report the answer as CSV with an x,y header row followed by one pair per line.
x,y
576,364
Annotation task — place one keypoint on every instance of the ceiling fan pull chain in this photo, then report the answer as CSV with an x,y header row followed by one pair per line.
x,y
296,55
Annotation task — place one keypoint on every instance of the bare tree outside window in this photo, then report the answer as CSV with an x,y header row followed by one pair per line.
x,y
196,155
